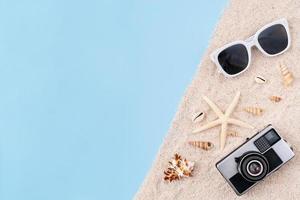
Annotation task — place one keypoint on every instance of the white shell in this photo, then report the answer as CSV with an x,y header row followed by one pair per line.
x,y
260,79
198,117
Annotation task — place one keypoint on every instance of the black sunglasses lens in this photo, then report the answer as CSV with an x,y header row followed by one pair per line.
x,y
274,39
234,59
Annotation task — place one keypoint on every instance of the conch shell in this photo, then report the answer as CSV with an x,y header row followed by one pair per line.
x,y
178,168
275,98
287,76
254,110
205,145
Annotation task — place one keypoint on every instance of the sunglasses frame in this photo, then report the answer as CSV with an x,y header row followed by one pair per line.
x,y
249,43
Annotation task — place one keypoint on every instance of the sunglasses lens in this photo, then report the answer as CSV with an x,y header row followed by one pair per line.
x,y
274,39
234,59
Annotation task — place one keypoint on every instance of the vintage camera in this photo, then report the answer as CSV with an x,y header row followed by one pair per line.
x,y
255,159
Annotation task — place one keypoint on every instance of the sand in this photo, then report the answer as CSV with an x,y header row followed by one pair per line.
x,y
240,20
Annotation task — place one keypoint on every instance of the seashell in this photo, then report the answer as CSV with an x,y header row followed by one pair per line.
x,y
275,98
232,133
178,168
254,110
202,145
260,79
287,76
198,117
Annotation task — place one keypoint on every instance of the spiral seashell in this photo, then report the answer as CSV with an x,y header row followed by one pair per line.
x,y
205,145
260,79
275,98
254,110
198,117
287,76
232,133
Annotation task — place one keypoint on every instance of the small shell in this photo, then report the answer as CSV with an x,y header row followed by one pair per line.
x,y
287,76
198,117
254,110
205,145
260,79
232,133
275,98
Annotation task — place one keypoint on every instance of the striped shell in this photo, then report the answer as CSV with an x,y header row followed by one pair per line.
x,y
275,98
287,76
254,110
205,145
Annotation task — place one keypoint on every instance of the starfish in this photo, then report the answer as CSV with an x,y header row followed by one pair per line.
x,y
223,119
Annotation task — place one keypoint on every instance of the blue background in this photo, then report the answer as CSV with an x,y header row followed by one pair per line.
x,y
89,89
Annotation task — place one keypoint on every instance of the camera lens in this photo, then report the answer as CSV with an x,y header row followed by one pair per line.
x,y
253,166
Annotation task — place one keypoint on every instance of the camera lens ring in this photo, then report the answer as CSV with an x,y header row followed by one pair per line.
x,y
254,167
260,169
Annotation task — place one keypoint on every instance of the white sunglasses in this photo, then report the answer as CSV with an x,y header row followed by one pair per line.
x,y
235,58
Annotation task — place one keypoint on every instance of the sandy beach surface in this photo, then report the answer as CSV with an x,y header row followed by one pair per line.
x,y
240,20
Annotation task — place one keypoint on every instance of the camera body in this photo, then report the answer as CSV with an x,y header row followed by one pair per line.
x,y
258,157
